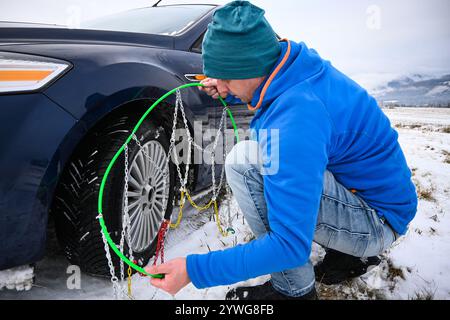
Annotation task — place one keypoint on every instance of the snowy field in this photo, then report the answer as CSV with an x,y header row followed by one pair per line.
x,y
417,267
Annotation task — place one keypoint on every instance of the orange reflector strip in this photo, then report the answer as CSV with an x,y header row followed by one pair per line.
x,y
200,77
23,75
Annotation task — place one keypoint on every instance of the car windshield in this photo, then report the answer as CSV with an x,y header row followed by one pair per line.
x,y
164,20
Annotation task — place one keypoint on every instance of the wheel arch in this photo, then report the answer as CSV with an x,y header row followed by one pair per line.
x,y
76,137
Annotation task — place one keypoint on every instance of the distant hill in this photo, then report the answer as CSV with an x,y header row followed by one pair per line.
x,y
415,90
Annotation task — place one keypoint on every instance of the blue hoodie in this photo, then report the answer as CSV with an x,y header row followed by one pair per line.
x,y
326,122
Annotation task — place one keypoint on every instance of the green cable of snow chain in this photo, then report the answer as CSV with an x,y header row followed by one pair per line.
x,y
111,164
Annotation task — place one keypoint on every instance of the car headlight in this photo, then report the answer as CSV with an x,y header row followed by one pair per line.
x,y
22,72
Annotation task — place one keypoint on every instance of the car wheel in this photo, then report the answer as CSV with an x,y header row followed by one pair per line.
x,y
150,194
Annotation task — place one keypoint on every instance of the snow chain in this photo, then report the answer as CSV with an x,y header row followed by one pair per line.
x,y
119,291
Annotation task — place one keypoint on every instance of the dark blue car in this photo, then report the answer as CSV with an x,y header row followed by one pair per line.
x,y
68,100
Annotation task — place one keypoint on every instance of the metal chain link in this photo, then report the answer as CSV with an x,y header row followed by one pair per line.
x,y
126,220
227,187
224,121
172,140
213,158
179,101
126,228
119,291
114,280
125,204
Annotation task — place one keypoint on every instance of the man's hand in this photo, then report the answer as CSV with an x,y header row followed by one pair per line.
x,y
175,275
212,88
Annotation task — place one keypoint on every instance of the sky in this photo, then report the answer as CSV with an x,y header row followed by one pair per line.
x,y
367,39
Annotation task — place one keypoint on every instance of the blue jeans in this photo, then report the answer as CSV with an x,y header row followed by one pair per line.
x,y
345,222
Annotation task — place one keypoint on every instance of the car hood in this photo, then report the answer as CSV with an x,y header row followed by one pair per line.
x,y
24,34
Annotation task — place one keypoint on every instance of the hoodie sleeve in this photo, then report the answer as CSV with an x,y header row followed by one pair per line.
x,y
292,189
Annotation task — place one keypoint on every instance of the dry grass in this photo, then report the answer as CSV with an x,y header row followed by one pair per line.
x,y
423,127
447,156
408,126
432,231
424,294
394,272
424,193
351,290
329,292
435,218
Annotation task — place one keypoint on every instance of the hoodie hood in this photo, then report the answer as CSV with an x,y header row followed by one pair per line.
x,y
301,64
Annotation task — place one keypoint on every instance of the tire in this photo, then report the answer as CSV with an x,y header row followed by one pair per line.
x,y
75,202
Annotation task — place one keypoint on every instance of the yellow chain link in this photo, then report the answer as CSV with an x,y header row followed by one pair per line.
x,y
207,206
129,282
184,195
216,211
180,212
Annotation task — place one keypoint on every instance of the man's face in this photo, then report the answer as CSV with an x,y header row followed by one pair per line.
x,y
242,89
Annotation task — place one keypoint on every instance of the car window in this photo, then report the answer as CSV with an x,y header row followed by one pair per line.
x,y
197,46
165,20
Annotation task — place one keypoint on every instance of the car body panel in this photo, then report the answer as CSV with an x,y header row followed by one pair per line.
x,y
33,127
40,130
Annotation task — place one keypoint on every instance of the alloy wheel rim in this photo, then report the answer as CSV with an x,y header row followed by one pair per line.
x,y
148,194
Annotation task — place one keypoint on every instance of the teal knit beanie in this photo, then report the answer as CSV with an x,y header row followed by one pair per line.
x,y
239,43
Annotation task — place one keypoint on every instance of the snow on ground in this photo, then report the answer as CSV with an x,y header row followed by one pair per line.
x,y
424,254
19,278
416,267
430,119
